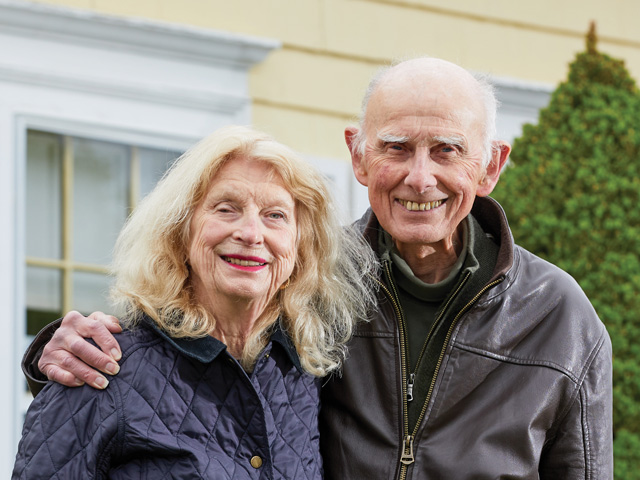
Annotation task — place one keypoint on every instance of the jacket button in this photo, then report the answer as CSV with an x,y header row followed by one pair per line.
x,y
256,462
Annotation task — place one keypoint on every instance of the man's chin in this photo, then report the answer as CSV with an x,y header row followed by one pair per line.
x,y
419,237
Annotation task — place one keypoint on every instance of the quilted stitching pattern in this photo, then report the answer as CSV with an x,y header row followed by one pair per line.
x,y
167,416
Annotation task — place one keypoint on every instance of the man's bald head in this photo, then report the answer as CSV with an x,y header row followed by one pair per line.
x,y
439,79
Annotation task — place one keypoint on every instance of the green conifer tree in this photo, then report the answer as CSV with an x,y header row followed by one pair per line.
x,y
572,195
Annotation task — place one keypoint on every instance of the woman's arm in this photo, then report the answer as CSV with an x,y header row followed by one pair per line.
x,y
68,433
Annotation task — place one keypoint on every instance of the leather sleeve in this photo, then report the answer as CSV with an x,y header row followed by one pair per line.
x,y
36,379
583,446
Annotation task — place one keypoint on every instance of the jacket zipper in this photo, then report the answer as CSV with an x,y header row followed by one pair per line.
x,y
407,457
412,376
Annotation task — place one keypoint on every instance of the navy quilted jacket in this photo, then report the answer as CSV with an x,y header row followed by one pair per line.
x,y
179,408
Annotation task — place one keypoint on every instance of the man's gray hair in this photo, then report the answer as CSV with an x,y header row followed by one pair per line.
x,y
485,89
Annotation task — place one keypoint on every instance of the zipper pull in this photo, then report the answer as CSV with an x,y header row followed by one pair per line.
x,y
412,376
407,451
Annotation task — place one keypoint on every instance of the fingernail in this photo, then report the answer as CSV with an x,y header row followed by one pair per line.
x,y
115,354
112,368
102,382
78,382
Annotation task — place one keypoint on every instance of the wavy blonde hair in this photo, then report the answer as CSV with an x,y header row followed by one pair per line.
x,y
330,287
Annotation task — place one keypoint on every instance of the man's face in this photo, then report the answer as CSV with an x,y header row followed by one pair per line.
x,y
422,162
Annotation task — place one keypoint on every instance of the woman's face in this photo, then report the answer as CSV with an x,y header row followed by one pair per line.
x,y
243,236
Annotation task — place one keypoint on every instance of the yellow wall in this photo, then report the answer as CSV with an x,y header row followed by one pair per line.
x,y
306,92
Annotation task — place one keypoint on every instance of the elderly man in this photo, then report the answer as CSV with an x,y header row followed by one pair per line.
x,y
482,360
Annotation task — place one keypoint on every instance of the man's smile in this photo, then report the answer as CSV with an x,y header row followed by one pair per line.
x,y
414,206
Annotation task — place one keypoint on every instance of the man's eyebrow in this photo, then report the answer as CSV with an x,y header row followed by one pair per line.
x,y
456,140
390,138
451,139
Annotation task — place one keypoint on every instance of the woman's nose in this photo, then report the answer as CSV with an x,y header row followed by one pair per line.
x,y
249,229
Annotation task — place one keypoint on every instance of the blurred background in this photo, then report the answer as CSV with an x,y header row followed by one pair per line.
x,y
97,97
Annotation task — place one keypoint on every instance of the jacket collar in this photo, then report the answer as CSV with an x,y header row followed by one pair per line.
x,y
486,211
206,349
493,221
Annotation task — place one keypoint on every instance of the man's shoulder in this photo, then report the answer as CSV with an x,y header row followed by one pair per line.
x,y
535,271
554,296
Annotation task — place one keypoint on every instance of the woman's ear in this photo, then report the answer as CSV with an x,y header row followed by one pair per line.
x,y
499,156
357,158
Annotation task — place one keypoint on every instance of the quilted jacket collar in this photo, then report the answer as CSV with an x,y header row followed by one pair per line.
x,y
206,349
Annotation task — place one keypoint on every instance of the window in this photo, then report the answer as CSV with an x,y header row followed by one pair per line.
x,y
79,193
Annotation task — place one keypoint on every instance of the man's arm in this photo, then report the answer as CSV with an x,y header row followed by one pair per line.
x,y
61,353
583,445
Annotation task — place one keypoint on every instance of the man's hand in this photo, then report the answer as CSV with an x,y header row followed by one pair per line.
x,y
68,357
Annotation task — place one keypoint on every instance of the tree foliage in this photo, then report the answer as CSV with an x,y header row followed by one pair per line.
x,y
572,196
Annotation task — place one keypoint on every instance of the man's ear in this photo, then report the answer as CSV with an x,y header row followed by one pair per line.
x,y
499,156
357,159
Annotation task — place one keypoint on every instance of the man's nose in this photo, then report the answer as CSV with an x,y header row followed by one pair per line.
x,y
249,229
421,171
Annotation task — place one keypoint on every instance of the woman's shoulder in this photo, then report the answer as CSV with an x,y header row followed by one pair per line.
x,y
138,338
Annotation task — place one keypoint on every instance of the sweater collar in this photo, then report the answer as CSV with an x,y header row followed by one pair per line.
x,y
206,349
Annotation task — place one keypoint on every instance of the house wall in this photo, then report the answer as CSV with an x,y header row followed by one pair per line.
x,y
307,91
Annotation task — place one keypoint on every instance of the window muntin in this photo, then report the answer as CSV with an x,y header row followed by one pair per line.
x,y
79,194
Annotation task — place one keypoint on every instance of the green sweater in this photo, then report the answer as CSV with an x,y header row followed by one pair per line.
x,y
429,309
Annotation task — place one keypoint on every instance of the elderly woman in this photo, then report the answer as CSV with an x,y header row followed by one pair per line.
x,y
240,289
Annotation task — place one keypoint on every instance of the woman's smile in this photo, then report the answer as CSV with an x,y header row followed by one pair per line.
x,y
250,264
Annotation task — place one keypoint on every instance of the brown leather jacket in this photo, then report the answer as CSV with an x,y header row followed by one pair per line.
x,y
521,390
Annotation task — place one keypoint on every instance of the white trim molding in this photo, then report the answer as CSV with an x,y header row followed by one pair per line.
x,y
520,103
84,51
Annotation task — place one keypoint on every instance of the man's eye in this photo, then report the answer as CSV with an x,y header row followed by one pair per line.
x,y
394,146
447,149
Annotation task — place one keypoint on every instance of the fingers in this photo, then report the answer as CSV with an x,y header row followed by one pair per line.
x,y
103,337
60,376
68,357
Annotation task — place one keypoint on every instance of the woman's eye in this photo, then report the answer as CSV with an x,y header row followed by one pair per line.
x,y
276,215
224,209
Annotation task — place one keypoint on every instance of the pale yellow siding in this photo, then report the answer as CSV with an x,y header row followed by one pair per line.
x,y
306,92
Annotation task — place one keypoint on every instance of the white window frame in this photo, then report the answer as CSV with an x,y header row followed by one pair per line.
x,y
80,73
519,103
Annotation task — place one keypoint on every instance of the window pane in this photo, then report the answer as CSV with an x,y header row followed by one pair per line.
x,y
91,292
44,297
44,198
153,164
100,198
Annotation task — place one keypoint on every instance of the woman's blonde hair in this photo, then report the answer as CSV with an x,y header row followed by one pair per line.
x,y
331,285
